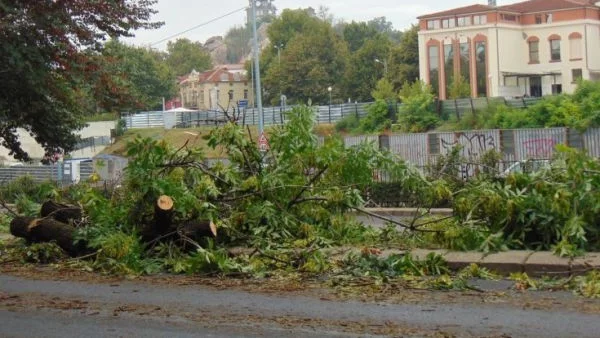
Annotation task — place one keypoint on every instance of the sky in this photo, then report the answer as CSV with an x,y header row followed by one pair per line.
x,y
181,15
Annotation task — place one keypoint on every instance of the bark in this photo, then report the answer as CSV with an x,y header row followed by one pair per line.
x,y
198,228
61,212
46,230
163,214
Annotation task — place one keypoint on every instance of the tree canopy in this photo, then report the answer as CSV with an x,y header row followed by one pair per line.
x,y
49,60
185,56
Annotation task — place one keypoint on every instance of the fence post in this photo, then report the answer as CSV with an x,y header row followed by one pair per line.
x,y
524,103
456,107
472,106
329,112
356,109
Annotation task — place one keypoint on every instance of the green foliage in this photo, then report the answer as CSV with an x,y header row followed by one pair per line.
x,y
27,186
417,114
403,66
348,124
589,285
377,118
460,88
552,208
4,223
369,264
143,73
55,73
184,56
384,91
42,253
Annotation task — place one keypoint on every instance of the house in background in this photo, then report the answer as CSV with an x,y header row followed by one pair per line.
x,y
224,87
531,48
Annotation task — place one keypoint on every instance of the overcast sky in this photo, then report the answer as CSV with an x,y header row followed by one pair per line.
x,y
180,15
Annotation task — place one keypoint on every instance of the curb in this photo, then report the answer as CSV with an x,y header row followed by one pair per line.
x,y
534,263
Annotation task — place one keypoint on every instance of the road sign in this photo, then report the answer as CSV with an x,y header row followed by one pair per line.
x,y
263,143
243,103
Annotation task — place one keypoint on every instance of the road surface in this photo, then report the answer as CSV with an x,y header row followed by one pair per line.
x,y
51,308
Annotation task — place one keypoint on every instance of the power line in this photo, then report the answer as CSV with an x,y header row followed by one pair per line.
x,y
198,26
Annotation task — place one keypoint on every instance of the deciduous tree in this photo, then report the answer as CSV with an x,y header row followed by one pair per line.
x,y
185,56
47,57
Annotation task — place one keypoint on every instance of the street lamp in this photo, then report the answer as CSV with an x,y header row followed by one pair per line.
x,y
329,90
385,66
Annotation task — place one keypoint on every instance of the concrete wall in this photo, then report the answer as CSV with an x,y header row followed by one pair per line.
x,y
35,151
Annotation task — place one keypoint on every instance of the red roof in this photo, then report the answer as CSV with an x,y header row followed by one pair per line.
x,y
220,74
545,5
521,7
459,11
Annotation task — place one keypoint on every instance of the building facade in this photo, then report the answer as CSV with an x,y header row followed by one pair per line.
x,y
531,48
223,88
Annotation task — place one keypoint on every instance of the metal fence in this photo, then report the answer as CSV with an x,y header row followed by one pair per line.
x,y
64,173
92,142
325,114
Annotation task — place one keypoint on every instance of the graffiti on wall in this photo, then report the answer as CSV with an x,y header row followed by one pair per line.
x,y
473,145
539,148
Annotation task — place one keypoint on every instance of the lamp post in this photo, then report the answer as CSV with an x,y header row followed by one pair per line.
x,y
385,66
329,89
279,46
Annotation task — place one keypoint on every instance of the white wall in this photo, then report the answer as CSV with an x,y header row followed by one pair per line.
x,y
35,151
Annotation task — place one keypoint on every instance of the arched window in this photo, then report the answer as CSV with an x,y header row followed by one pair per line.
x,y
534,49
575,46
554,47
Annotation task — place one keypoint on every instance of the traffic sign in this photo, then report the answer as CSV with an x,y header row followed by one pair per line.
x,y
263,143
243,103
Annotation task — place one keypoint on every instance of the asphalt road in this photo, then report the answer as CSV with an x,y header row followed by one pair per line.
x,y
41,308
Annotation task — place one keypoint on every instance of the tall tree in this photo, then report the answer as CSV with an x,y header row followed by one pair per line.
x,y
356,33
185,56
237,40
382,25
309,58
362,76
143,72
313,58
47,56
404,59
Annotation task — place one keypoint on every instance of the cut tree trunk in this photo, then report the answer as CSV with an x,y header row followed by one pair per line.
x,y
163,214
61,212
198,228
19,226
46,230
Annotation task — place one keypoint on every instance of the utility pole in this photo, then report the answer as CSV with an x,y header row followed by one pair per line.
x,y
257,72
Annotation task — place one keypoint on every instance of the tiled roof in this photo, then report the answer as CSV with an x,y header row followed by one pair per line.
x,y
521,7
459,11
219,74
545,5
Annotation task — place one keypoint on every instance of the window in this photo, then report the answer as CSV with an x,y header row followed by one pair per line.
x,y
480,19
575,47
556,89
433,24
534,51
508,17
554,50
230,95
245,94
548,18
434,66
449,56
538,19
448,23
481,68
576,74
464,21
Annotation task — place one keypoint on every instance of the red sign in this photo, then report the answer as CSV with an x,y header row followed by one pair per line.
x,y
263,143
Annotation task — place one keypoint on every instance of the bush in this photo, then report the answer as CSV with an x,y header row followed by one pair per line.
x,y
416,113
377,118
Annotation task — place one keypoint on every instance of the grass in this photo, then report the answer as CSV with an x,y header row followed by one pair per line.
x,y
101,117
179,136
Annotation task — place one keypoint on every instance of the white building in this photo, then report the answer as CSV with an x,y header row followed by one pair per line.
x,y
531,48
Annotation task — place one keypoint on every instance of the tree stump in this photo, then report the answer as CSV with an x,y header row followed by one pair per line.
x,y
46,230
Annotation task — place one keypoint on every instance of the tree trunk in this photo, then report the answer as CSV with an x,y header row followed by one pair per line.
x,y
198,228
61,212
46,230
19,226
163,214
